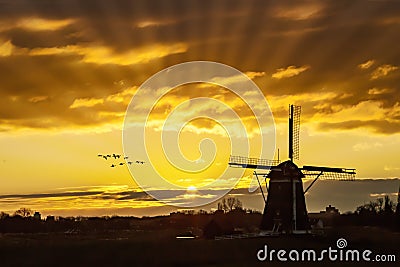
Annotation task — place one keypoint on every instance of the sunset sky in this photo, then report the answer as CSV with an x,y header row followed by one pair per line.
x,y
69,69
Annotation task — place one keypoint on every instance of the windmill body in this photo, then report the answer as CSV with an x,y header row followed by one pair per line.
x,y
285,208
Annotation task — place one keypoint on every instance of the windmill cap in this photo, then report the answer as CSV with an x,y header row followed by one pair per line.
x,y
286,170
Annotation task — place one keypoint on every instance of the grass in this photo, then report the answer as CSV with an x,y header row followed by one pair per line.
x,y
160,248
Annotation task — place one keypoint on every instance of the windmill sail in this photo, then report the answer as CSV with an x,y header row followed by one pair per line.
x,y
294,131
252,163
328,173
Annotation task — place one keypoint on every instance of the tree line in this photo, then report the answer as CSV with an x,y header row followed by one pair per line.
x,y
381,212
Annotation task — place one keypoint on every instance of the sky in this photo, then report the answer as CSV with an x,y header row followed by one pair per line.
x,y
69,69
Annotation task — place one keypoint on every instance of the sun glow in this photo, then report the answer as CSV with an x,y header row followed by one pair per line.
x,y
191,188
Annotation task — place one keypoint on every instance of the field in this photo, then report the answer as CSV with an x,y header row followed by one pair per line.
x,y
161,248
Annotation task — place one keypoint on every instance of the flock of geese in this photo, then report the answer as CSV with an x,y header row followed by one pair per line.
x,y
117,156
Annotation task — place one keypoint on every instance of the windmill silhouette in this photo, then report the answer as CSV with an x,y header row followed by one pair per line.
x,y
285,207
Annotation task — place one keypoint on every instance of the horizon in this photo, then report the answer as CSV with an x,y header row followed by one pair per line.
x,y
371,189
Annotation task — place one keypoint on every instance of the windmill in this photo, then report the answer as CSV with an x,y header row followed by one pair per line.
x,y
285,207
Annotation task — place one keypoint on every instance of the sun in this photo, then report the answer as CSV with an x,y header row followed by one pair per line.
x,y
191,188
191,192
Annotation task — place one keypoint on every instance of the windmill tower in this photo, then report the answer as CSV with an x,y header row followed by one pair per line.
x,y
285,206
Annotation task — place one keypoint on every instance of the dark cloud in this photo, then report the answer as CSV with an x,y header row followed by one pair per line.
x,y
379,126
126,195
332,37
46,38
122,195
51,195
103,195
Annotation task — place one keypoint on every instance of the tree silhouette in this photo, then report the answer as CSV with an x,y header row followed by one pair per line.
x,y
389,206
23,212
379,206
4,215
230,204
238,205
224,205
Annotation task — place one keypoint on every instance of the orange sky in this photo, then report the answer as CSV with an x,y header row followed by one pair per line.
x,y
69,70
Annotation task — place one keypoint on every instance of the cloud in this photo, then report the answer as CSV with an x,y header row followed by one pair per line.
x,y
382,71
289,72
111,192
115,196
381,195
379,91
390,168
152,23
227,81
370,114
6,48
367,64
103,55
74,200
39,98
50,195
366,146
100,54
311,103
41,24
86,102
147,23
298,11
122,98
377,126
85,113
35,24
73,54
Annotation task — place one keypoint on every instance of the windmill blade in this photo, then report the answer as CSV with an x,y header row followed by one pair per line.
x,y
328,173
294,132
332,175
252,163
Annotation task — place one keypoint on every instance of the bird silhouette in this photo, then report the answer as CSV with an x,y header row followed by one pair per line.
x,y
117,156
